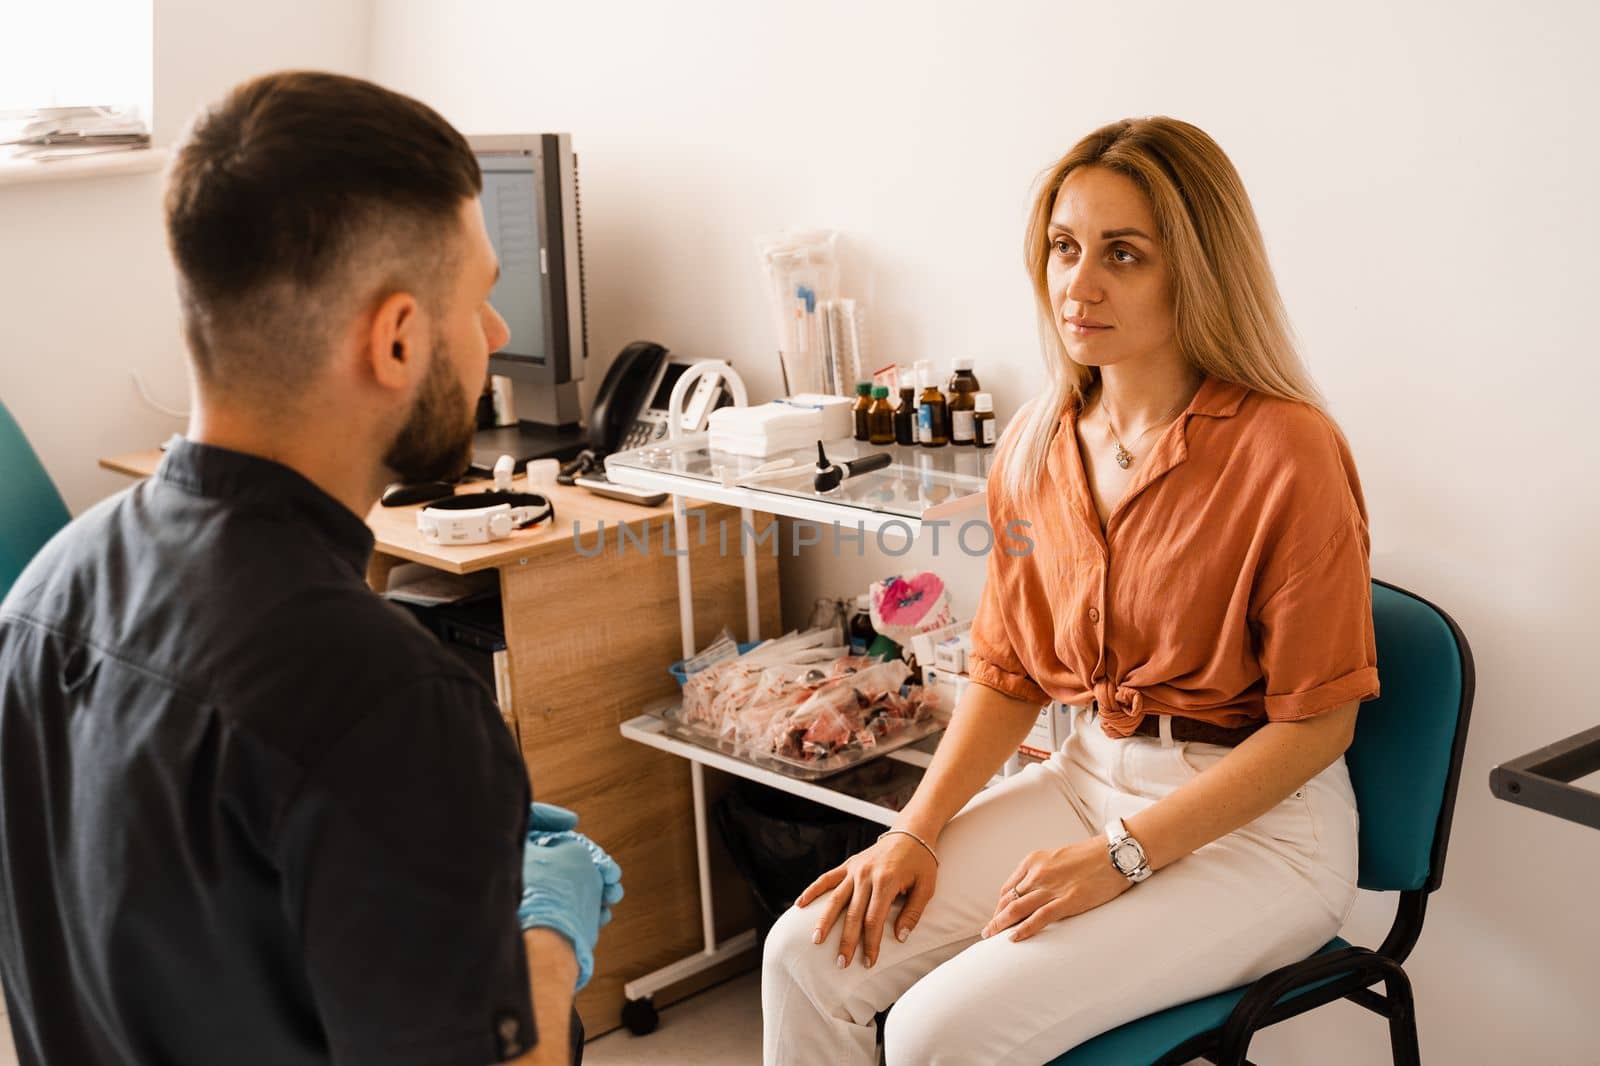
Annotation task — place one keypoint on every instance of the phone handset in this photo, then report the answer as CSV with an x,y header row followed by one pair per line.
x,y
623,394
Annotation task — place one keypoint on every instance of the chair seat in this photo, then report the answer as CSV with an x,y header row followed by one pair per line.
x,y
1145,1040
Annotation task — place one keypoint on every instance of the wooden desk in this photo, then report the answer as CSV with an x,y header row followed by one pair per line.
x,y
590,634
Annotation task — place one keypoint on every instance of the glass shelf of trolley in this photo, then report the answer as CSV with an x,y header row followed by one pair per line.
x,y
919,485
875,790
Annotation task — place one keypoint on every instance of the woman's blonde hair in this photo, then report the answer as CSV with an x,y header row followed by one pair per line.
x,y
1229,319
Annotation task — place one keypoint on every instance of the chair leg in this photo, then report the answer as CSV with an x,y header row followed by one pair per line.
x,y
1402,1019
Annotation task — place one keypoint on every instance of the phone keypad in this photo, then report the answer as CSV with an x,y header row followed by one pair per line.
x,y
642,433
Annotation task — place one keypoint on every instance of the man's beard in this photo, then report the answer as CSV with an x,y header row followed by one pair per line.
x,y
435,444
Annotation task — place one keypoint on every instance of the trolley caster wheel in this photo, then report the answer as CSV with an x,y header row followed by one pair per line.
x,y
640,1016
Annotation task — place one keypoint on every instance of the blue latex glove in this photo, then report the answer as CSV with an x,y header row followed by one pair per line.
x,y
610,872
568,883
548,818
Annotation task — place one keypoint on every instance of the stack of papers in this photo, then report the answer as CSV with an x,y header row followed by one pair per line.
x,y
426,587
55,133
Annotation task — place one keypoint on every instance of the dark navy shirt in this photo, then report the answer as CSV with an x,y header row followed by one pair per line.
x,y
249,811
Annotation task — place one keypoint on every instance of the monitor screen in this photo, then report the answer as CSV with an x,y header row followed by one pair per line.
x,y
510,213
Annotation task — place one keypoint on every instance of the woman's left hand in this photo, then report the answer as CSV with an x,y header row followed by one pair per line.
x,y
1056,884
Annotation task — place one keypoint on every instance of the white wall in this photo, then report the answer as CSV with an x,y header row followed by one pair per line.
x,y
86,288
1423,177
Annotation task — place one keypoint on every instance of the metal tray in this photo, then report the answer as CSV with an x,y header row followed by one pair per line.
x,y
801,770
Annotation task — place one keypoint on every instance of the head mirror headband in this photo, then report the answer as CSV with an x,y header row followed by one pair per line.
x,y
480,517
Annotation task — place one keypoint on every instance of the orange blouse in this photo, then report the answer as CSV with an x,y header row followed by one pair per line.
x,y
1231,585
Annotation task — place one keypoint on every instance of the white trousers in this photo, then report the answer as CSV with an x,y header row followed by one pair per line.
x,y
1261,897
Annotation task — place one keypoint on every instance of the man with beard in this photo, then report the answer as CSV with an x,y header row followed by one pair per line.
x,y
249,812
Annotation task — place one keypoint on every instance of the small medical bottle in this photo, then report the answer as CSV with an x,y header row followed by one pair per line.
x,y
862,406
905,416
880,419
963,387
861,633
933,413
983,425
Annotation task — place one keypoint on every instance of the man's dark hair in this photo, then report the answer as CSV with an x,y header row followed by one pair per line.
x,y
296,194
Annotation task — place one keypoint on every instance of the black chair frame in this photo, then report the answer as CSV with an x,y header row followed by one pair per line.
x,y
1357,969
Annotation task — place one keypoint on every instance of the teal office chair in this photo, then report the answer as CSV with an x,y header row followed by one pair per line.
x,y
31,510
1405,763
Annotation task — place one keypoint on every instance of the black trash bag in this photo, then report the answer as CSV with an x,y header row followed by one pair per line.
x,y
781,843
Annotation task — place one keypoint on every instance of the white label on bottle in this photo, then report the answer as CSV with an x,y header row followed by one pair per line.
x,y
988,431
961,426
924,423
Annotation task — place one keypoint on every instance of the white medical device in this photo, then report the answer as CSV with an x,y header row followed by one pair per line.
x,y
481,517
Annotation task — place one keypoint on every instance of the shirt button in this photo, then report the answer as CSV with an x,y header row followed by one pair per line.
x,y
509,1030
1094,614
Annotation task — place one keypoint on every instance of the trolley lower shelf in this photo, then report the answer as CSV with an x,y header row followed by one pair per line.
x,y
875,790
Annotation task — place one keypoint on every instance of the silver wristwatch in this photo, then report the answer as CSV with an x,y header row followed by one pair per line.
x,y
1126,854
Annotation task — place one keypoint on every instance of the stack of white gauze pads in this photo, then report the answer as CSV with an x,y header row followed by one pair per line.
x,y
783,425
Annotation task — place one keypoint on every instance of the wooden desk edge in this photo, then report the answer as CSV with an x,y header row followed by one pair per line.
x,y
572,504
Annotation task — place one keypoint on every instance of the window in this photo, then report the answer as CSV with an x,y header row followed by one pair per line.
x,y
69,53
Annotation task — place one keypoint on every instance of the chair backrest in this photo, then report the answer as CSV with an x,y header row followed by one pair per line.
x,y
31,510
1405,762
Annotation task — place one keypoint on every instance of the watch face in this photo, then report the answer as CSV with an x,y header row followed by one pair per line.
x,y
1125,858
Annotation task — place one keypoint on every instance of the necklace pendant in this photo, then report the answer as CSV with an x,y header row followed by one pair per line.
x,y
1124,456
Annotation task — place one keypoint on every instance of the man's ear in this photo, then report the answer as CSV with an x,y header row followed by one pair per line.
x,y
394,346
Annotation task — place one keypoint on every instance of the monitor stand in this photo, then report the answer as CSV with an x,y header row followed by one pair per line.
x,y
527,440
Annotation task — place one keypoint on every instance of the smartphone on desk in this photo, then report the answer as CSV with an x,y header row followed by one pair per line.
x,y
601,485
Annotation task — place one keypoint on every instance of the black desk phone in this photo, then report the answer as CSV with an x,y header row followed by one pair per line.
x,y
630,411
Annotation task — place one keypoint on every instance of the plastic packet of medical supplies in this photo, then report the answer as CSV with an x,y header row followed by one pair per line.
x,y
803,706
719,650
713,697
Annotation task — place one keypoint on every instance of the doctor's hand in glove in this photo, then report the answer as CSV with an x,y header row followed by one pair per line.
x,y
859,893
569,884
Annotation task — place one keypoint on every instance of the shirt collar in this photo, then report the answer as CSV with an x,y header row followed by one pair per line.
x,y
253,482
1215,398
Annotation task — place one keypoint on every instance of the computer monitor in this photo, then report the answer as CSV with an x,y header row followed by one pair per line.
x,y
530,208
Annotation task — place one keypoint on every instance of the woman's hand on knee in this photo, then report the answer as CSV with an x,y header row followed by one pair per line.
x,y
864,888
1048,886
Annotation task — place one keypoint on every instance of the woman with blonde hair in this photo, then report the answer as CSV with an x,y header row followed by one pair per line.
x,y
1197,597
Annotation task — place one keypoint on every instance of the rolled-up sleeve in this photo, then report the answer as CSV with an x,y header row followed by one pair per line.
x,y
1316,645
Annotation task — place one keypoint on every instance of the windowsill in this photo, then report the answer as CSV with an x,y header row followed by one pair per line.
x,y
108,164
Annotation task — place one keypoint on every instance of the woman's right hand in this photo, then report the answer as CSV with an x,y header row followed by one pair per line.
x,y
863,888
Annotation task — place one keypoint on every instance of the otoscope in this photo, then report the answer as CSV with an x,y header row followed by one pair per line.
x,y
830,474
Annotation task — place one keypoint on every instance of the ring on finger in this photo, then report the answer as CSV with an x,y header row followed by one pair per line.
x,y
1016,890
